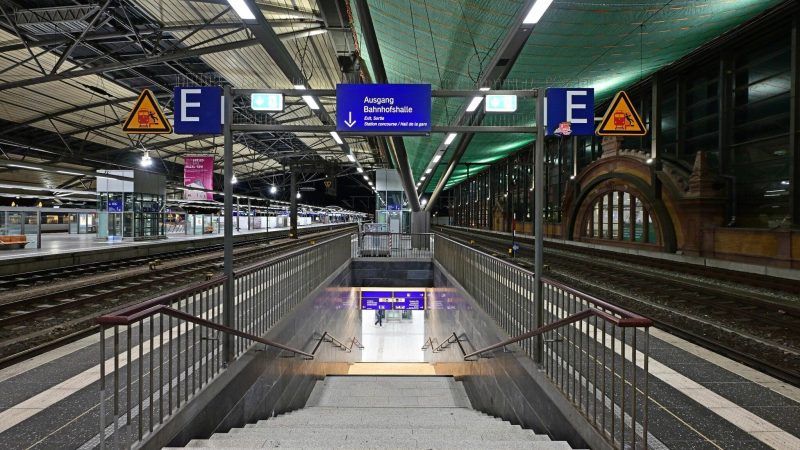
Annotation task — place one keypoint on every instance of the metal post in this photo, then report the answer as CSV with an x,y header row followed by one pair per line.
x,y
249,215
227,302
538,202
293,208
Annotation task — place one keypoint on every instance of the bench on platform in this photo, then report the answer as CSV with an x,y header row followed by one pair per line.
x,y
13,242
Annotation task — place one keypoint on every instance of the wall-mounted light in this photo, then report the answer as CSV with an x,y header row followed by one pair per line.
x,y
273,189
234,180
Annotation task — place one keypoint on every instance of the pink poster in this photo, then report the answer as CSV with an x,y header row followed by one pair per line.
x,y
198,172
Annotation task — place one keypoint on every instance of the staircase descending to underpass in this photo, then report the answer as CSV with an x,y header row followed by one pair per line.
x,y
414,412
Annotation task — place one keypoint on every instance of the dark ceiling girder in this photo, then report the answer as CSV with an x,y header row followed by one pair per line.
x,y
495,75
269,8
270,42
396,145
148,61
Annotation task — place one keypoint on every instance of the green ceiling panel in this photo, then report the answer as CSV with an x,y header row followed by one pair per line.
x,y
585,43
431,41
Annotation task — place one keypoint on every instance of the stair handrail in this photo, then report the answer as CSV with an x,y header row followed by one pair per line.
x,y
337,342
453,338
625,322
140,314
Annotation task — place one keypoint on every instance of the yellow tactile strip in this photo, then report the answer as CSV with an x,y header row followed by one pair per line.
x,y
391,369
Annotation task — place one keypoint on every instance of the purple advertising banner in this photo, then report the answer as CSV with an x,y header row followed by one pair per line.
x,y
198,172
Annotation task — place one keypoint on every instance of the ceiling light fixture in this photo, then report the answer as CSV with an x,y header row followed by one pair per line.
x,y
437,158
360,170
351,157
366,177
428,170
24,167
273,189
234,180
537,11
66,172
146,159
336,137
241,9
473,105
450,138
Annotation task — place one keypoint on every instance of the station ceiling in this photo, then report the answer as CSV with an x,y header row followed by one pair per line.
x,y
71,70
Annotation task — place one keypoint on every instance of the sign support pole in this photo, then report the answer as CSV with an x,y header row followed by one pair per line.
x,y
228,287
538,207
293,205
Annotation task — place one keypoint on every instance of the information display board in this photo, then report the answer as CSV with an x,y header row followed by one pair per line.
x,y
396,300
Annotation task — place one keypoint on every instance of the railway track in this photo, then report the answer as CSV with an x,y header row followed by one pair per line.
x,y
752,322
34,278
32,322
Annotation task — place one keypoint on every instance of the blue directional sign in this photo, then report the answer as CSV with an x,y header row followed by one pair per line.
x,y
383,108
515,247
573,105
198,110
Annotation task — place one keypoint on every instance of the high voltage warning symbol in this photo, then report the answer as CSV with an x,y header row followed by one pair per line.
x,y
146,117
621,119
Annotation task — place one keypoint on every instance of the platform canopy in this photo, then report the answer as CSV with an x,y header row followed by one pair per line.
x,y
70,71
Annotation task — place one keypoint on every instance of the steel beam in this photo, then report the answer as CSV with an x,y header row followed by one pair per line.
x,y
151,60
395,145
271,43
228,304
507,54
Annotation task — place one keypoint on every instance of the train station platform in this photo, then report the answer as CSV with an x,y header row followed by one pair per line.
x,y
61,250
674,393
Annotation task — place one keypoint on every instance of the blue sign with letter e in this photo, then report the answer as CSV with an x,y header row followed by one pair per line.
x,y
383,108
198,110
573,105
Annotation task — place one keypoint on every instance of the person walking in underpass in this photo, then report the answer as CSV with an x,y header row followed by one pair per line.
x,y
379,317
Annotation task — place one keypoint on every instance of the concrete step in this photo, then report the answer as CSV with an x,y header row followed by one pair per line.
x,y
378,423
381,443
336,434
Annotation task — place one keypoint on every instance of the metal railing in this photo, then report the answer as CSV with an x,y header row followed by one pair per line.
x,y
452,339
596,354
167,349
394,245
326,337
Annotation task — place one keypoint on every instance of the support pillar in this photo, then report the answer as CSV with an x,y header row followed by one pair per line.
x,y
228,288
420,224
538,229
293,207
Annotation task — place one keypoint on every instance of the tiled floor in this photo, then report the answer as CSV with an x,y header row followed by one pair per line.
x,y
395,341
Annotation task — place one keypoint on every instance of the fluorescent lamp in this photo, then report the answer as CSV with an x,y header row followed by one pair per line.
x,y
66,172
366,177
437,158
241,9
351,157
450,138
473,105
24,167
428,170
360,170
536,12
485,88
336,137
310,102
422,178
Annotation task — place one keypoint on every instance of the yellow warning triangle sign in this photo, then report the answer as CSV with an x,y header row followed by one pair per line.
x,y
621,119
146,117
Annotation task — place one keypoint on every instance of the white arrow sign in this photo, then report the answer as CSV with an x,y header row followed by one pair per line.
x,y
350,122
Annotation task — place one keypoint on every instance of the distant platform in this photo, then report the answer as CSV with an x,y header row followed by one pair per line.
x,y
62,249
